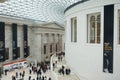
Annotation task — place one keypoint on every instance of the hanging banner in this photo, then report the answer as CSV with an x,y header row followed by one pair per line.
x,y
14,43
108,39
2,41
25,43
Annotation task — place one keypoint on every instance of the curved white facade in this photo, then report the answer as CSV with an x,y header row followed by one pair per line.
x,y
87,58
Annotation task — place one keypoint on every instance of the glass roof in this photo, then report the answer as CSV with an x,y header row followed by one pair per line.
x,y
38,10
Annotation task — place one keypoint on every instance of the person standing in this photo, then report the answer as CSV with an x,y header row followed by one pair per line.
x,y
53,66
49,79
40,78
37,78
6,72
69,71
23,72
29,78
20,74
16,74
30,71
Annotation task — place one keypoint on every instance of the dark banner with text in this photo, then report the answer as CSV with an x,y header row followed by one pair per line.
x,y
14,38
108,38
25,34
2,41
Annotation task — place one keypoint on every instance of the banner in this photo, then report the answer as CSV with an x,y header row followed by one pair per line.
x,y
2,41
108,39
25,43
14,39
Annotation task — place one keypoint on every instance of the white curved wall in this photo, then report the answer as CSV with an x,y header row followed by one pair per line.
x,y
87,59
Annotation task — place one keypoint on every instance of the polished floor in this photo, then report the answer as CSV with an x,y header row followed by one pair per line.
x,y
54,74
33,76
71,76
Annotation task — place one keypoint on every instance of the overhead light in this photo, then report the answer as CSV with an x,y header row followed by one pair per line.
x,y
2,1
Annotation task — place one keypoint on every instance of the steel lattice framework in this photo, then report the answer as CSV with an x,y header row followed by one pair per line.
x,y
37,10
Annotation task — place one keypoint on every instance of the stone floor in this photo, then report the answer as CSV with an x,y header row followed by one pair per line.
x,y
49,73
33,76
59,64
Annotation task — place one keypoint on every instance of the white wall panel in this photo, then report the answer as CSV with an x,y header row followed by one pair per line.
x,y
85,58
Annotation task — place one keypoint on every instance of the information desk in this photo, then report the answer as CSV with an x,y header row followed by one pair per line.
x,y
15,65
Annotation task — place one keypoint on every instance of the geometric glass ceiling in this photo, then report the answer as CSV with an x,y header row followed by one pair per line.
x,y
37,10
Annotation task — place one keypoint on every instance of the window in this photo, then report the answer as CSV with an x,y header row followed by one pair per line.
x,y
74,29
51,48
56,48
6,53
119,25
44,49
93,29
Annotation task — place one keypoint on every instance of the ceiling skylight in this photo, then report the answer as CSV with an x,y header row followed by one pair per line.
x,y
38,10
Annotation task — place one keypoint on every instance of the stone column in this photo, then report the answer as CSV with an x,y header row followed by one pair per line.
x,y
20,40
48,46
8,39
42,46
60,42
63,42
52,42
49,43
31,43
56,40
38,47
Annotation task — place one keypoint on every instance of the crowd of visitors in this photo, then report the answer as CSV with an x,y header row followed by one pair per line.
x,y
38,70
63,70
